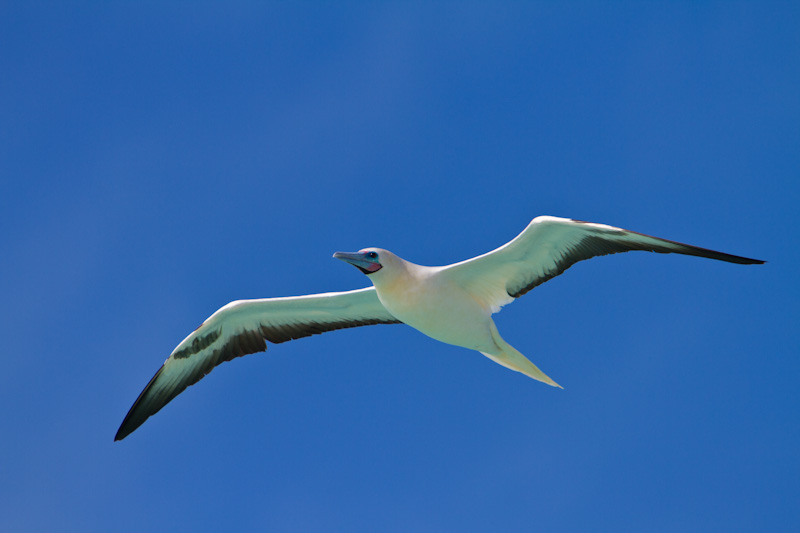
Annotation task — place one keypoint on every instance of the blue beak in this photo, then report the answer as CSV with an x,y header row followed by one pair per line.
x,y
360,261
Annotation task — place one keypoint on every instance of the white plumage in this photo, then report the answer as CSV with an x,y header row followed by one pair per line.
x,y
452,304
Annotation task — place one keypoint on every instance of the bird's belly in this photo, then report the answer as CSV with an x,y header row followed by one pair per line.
x,y
456,319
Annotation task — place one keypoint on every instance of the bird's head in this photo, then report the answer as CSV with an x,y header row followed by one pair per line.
x,y
374,262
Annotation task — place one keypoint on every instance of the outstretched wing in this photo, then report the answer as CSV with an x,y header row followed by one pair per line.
x,y
244,327
549,246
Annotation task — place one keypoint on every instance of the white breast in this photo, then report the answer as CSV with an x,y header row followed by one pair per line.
x,y
440,309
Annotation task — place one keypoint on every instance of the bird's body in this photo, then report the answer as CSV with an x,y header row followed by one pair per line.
x,y
437,303
452,304
426,299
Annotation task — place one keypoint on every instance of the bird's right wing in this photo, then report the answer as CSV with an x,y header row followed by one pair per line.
x,y
244,327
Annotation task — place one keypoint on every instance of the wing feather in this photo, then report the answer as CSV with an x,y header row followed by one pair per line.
x,y
244,327
549,246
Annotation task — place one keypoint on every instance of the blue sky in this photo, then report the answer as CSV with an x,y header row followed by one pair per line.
x,y
160,161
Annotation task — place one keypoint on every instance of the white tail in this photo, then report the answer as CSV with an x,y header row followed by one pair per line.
x,y
509,357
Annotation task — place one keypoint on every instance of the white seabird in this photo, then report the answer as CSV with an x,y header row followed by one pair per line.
x,y
453,304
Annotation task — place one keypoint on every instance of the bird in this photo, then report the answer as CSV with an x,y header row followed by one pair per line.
x,y
453,304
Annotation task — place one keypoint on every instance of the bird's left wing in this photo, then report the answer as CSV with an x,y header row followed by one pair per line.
x,y
549,246
244,327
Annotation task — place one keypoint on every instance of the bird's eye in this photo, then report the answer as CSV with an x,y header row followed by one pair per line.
x,y
372,255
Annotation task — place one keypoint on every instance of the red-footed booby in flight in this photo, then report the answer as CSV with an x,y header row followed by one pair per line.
x,y
452,304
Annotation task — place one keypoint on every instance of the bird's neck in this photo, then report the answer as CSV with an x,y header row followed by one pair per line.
x,y
403,285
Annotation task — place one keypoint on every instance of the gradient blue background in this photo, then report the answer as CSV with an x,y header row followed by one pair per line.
x,y
159,161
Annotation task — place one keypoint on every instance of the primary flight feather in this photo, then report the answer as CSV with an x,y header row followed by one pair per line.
x,y
452,303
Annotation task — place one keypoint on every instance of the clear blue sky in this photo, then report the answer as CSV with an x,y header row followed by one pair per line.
x,y
158,162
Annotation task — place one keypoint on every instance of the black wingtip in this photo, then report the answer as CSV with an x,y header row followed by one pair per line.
x,y
697,251
123,432
137,415
126,428
728,258
738,259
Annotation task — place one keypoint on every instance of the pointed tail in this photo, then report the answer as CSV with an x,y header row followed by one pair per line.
x,y
509,357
